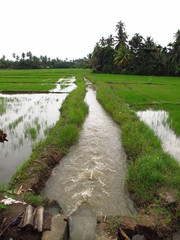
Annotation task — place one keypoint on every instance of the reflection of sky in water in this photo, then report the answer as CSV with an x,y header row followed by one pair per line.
x,y
64,85
157,120
25,114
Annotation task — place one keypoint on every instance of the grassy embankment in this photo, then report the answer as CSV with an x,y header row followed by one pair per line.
x,y
151,171
63,134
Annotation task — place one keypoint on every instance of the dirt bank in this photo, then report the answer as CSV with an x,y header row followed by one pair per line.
x,y
31,180
34,177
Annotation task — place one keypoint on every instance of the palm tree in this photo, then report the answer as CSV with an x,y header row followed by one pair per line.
x,y
136,50
121,37
14,55
122,57
23,56
110,41
175,53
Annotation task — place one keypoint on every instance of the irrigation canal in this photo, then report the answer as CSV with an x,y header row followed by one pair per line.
x,y
93,171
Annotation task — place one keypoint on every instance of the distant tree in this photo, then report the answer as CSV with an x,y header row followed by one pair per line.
x,y
3,57
122,58
121,37
174,54
102,58
147,65
29,55
102,42
17,58
23,56
14,55
136,51
110,41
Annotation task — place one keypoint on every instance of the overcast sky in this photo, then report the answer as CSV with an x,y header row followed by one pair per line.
x,y
70,28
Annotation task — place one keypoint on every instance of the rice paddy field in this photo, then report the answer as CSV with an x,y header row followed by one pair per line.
x,y
146,92
143,106
30,103
32,80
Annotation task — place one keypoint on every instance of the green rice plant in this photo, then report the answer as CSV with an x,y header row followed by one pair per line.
x,y
33,133
36,122
2,106
30,132
20,141
14,124
35,80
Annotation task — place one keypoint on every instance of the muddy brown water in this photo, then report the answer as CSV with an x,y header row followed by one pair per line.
x,y
157,121
94,169
26,119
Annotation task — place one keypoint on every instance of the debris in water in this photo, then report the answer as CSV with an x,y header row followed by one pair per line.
x,y
3,136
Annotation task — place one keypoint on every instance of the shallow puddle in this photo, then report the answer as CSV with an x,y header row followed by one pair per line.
x,y
94,169
25,120
157,121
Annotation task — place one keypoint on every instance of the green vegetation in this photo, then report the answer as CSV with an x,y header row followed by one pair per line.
x,y
2,106
73,112
143,92
135,56
36,200
62,135
26,87
150,169
15,123
28,61
33,80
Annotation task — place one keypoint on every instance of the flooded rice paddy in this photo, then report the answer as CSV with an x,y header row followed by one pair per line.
x,y
25,119
157,121
94,169
64,85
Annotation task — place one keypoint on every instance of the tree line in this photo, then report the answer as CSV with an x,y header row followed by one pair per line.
x,y
114,54
29,61
135,56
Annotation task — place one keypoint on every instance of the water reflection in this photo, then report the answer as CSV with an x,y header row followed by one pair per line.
x,y
64,85
25,119
157,121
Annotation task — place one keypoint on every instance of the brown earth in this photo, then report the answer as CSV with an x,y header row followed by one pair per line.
x,y
32,179
147,222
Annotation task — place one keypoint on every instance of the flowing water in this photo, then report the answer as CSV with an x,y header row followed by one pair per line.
x,y
82,223
94,169
25,120
157,121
